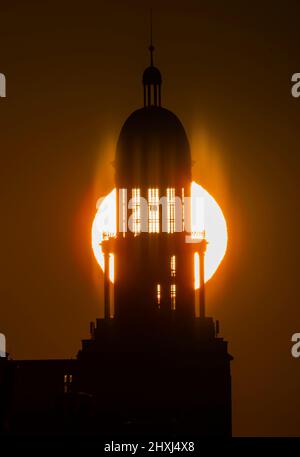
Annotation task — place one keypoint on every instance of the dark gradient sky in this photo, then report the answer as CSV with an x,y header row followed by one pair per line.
x,y
73,74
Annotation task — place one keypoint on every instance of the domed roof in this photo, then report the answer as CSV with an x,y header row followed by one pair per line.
x,y
152,150
152,75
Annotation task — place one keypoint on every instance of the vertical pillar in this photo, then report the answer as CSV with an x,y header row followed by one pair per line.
x,y
155,94
106,287
122,212
118,209
202,250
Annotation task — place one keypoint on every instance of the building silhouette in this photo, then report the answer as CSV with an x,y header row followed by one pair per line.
x,y
154,363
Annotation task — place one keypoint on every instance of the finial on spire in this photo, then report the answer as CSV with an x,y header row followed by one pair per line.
x,y
151,47
152,78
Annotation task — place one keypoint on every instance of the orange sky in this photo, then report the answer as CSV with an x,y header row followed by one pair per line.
x,y
73,75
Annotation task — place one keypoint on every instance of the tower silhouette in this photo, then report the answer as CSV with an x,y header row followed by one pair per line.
x,y
153,364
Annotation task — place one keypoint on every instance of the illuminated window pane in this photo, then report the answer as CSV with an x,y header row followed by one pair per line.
x,y
123,220
153,210
196,271
173,296
136,210
171,209
68,379
173,266
112,267
158,294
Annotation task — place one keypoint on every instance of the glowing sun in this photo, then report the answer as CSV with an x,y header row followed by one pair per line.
x,y
211,220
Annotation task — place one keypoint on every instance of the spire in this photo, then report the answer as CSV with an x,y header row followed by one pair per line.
x,y
151,47
152,78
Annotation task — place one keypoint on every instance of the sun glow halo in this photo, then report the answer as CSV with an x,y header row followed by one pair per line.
x,y
211,220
